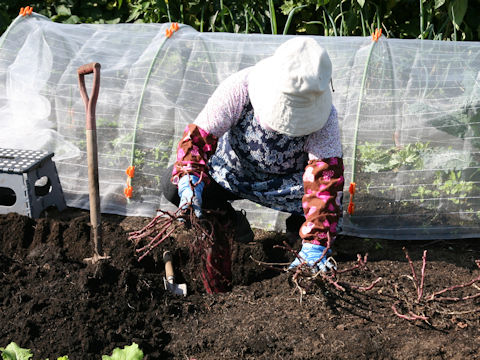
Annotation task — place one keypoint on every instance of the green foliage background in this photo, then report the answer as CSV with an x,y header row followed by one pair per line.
x,y
426,19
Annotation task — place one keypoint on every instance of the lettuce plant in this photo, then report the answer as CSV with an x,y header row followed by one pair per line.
x,y
15,352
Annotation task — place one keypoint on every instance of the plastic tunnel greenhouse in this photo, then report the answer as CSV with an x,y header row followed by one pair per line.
x,y
409,113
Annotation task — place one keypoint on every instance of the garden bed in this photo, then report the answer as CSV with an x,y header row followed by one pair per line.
x,y
55,304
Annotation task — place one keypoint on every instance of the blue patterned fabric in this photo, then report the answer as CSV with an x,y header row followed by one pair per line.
x,y
261,165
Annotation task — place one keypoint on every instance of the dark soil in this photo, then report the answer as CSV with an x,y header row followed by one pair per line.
x,y
55,304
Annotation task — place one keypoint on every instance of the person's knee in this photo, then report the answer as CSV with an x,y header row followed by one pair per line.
x,y
169,190
294,222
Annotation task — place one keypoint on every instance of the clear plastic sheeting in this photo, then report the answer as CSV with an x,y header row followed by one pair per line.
x,y
409,113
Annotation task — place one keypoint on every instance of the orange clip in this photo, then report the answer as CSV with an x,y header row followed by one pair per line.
x,y
128,191
351,207
174,27
130,171
26,11
351,189
168,33
376,35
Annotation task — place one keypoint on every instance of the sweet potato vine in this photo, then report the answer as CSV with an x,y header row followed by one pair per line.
x,y
415,308
210,244
304,277
164,224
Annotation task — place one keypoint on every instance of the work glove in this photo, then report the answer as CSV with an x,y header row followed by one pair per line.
x,y
191,197
310,253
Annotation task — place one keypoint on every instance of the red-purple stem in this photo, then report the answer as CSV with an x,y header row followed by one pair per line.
x,y
334,283
424,263
415,280
471,282
367,288
360,264
151,245
412,316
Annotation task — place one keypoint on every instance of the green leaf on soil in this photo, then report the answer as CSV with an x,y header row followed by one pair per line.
x,y
15,352
131,352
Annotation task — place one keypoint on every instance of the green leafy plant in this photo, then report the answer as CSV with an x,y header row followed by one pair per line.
x,y
374,157
451,184
105,122
15,352
131,352
423,193
465,123
448,184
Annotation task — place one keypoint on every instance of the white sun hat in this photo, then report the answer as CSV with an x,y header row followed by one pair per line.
x,y
290,90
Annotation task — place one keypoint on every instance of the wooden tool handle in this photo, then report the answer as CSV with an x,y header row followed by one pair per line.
x,y
167,259
92,151
90,103
88,68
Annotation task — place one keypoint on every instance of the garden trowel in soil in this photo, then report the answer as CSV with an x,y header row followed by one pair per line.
x,y
92,155
169,279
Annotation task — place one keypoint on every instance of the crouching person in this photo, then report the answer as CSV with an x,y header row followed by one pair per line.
x,y
269,134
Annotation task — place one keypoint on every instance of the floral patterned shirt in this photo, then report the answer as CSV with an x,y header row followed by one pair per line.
x,y
257,163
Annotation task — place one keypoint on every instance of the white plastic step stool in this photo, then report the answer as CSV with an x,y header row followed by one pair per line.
x,y
29,182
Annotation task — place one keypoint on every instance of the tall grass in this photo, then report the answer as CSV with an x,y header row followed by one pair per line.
x,y
423,19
